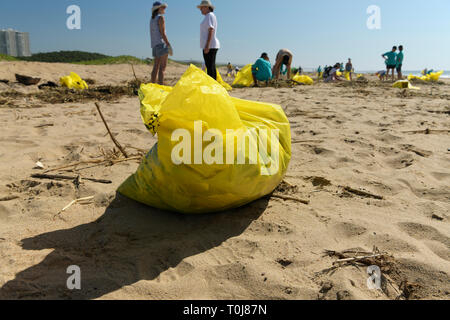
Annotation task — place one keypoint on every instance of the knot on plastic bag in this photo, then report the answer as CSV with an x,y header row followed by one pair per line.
x,y
153,123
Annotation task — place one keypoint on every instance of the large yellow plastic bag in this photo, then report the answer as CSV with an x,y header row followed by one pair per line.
x,y
303,79
223,83
404,84
434,76
180,174
244,77
347,75
73,81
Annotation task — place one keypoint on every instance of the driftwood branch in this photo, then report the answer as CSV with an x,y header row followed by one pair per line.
x,y
358,258
92,162
8,198
132,67
61,177
280,196
362,193
73,202
109,131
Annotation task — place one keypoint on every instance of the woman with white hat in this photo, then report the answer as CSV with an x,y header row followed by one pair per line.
x,y
208,40
160,44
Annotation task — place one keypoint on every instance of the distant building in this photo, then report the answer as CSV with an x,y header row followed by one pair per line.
x,y
15,43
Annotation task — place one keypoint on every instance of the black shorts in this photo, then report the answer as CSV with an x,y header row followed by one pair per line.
x,y
391,66
399,68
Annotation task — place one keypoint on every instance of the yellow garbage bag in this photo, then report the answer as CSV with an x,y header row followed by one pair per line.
x,y
338,73
244,77
347,75
214,152
223,83
404,84
434,76
73,81
303,79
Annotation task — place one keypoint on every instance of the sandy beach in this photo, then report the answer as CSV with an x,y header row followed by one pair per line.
x,y
373,161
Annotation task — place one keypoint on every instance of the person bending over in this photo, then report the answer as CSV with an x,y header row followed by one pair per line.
x,y
332,75
284,58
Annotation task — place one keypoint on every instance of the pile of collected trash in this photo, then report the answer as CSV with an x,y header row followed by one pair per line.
x,y
432,76
214,152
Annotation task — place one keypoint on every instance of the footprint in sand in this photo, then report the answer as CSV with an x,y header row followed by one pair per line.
x,y
436,241
349,229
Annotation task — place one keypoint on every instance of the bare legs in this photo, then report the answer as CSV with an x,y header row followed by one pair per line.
x,y
159,67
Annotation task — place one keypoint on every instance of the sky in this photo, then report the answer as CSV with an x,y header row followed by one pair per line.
x,y
317,32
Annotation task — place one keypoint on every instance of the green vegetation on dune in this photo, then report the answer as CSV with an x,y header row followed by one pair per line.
x,y
5,57
113,60
86,58
64,56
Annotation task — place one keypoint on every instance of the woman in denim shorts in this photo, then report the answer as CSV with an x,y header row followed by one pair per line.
x,y
160,44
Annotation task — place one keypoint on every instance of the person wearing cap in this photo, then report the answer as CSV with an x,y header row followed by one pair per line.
x,y
208,39
284,58
160,44
262,70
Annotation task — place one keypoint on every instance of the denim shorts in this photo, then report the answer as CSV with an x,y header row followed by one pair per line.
x,y
160,50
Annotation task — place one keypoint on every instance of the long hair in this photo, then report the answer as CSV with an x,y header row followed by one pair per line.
x,y
155,13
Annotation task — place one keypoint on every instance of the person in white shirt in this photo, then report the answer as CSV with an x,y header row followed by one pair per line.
x,y
208,39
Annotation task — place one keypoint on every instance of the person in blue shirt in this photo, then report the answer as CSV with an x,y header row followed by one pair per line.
x,y
262,70
399,63
391,61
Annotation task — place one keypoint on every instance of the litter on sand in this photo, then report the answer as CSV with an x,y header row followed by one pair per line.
x,y
303,79
432,76
73,81
214,152
404,84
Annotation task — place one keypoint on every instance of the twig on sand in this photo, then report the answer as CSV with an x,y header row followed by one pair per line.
x,y
362,193
427,131
74,165
45,125
109,131
307,141
132,67
93,162
73,202
355,259
60,177
280,196
8,198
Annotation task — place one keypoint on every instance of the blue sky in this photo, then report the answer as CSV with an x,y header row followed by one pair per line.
x,y
318,32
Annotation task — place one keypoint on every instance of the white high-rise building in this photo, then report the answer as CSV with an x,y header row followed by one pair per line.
x,y
15,43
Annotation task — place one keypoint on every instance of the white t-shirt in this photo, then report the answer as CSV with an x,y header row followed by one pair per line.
x,y
210,21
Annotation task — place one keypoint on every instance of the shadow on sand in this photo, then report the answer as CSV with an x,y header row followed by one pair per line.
x,y
128,243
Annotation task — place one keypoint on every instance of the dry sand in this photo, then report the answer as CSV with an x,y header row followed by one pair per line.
x,y
355,136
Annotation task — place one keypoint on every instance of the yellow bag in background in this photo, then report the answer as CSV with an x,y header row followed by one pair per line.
x,y
244,77
198,102
303,79
432,76
73,81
